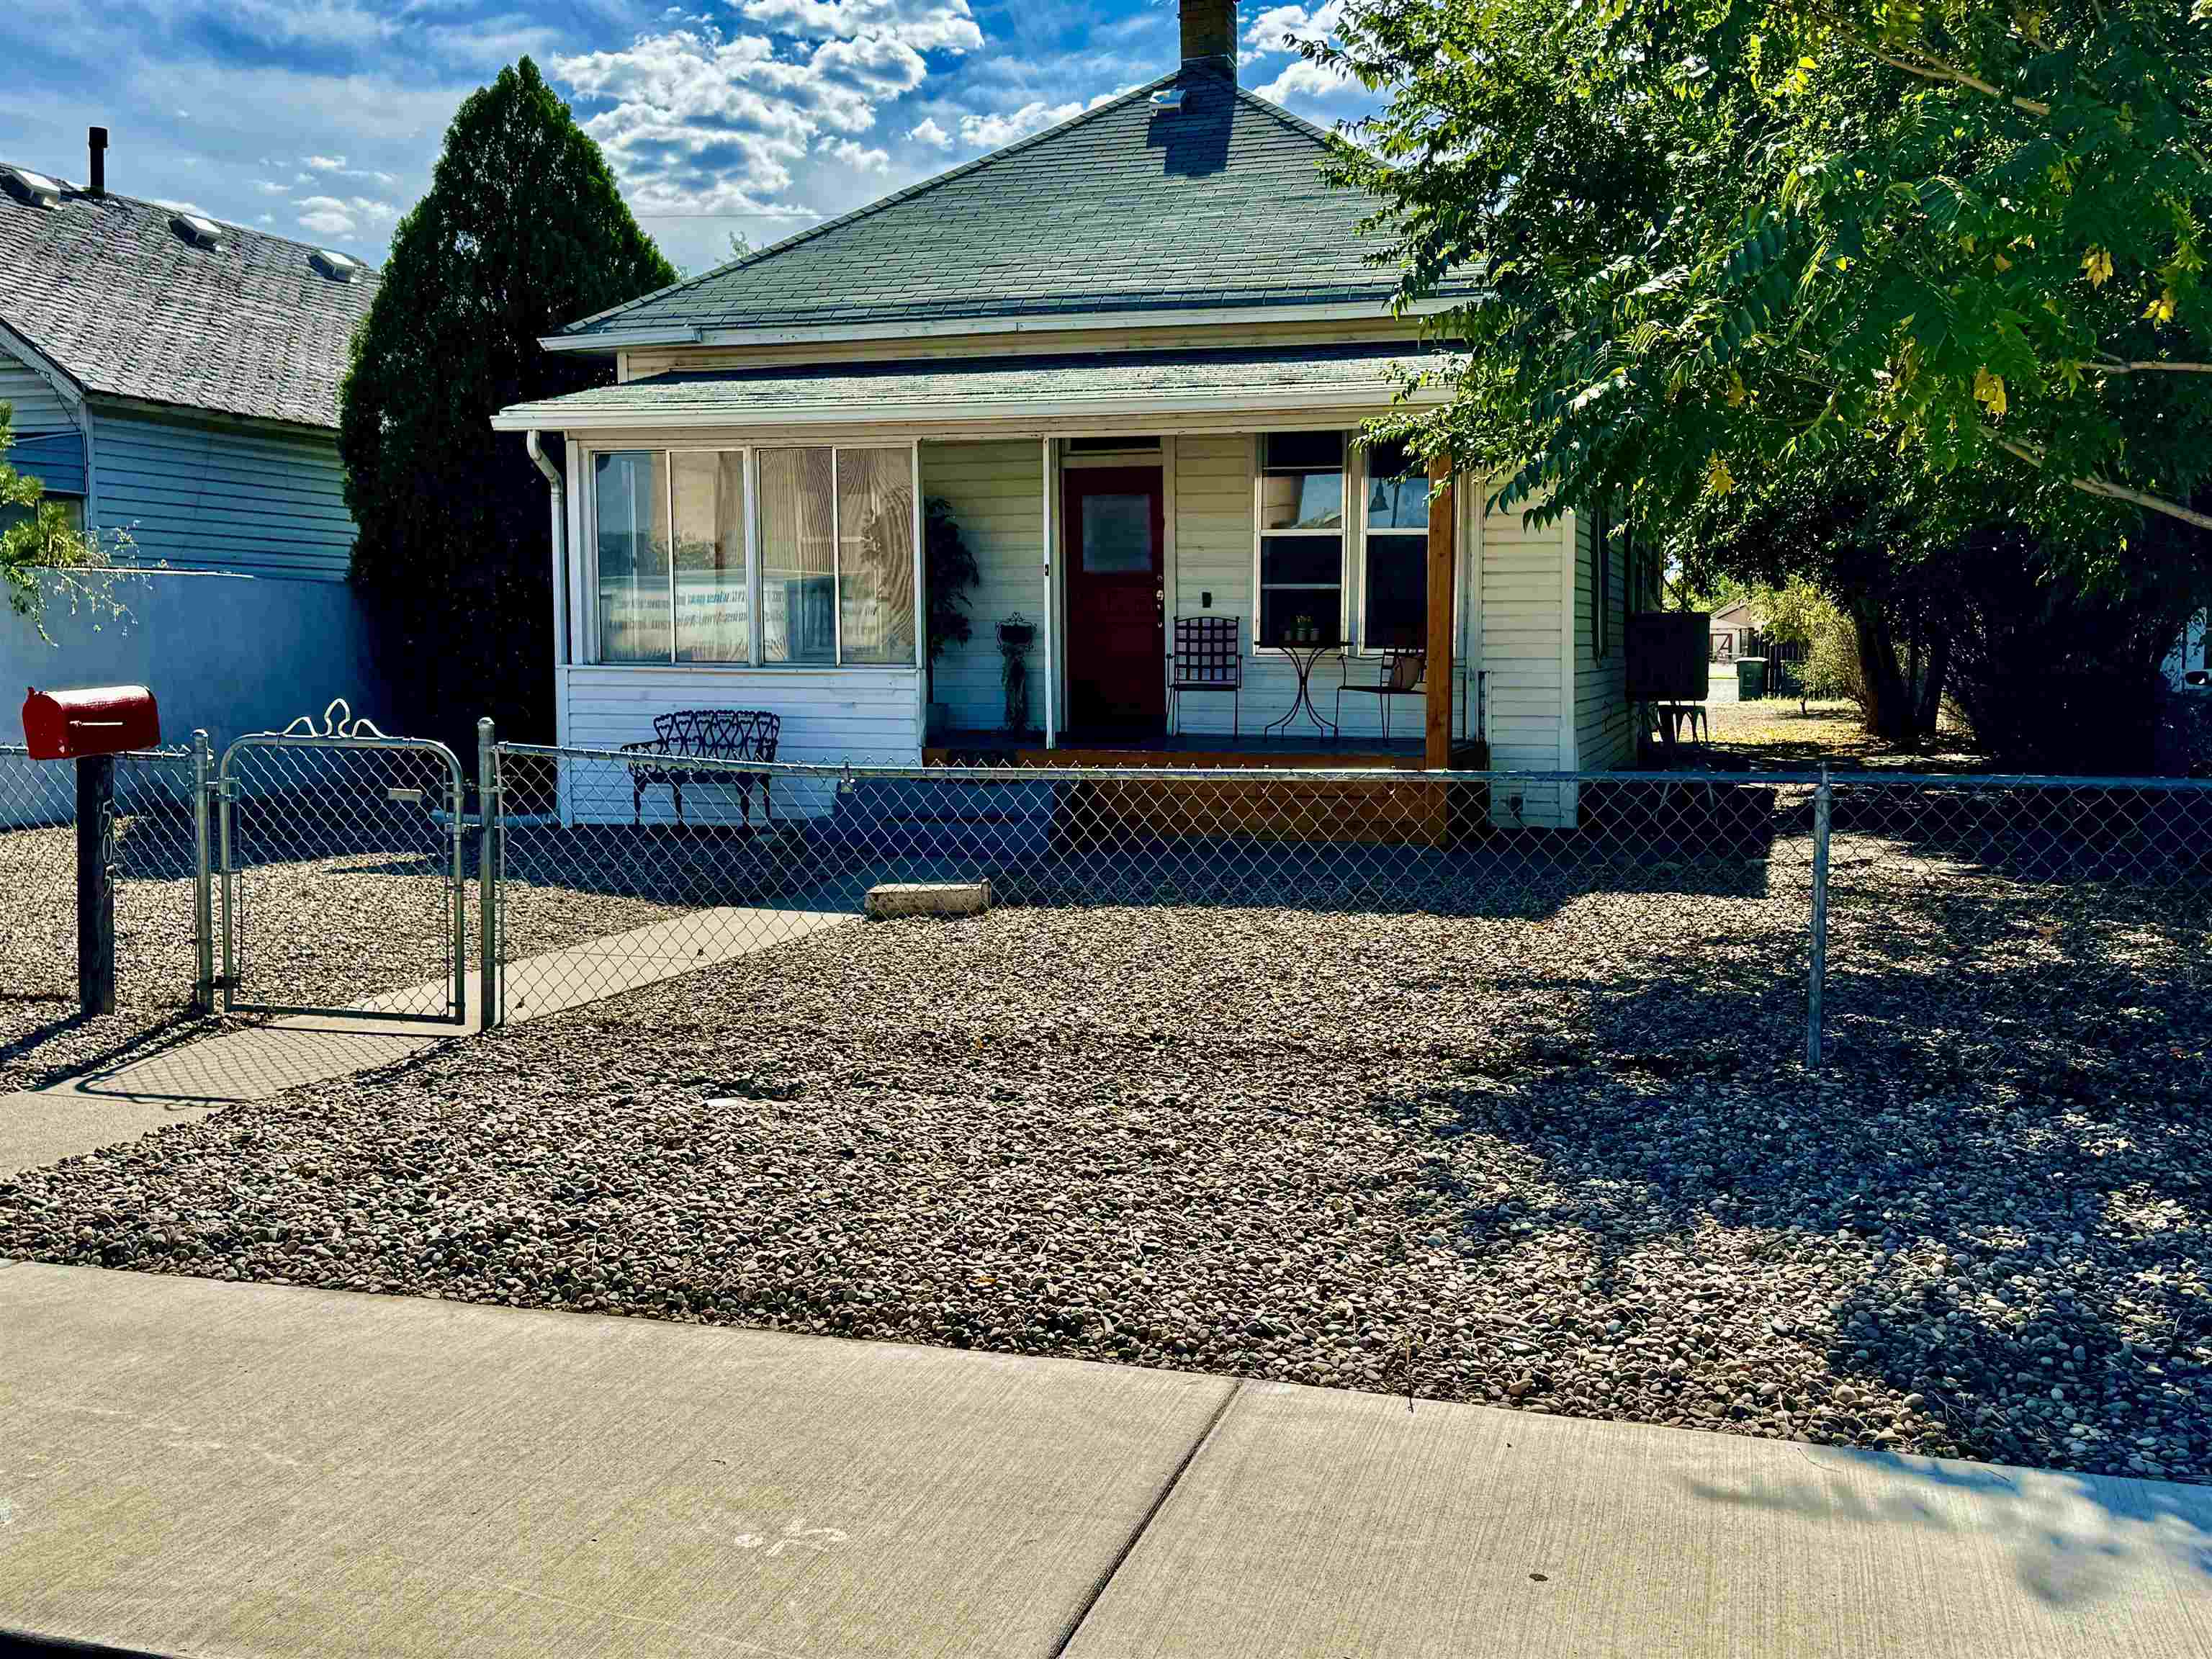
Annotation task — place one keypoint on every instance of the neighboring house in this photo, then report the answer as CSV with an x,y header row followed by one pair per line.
x,y
1735,630
1132,353
174,382
2192,654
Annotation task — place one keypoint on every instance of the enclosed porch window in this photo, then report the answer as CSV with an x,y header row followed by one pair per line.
x,y
795,557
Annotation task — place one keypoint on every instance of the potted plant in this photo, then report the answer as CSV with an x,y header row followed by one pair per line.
x,y
952,571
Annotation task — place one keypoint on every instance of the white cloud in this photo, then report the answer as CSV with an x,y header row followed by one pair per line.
x,y
1278,28
697,123
856,155
1304,80
922,25
327,216
270,187
992,131
323,163
931,134
332,216
182,207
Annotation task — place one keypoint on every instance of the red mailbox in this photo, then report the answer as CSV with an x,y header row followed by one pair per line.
x,y
100,719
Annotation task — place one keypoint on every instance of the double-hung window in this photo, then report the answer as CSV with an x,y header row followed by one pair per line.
x,y
1395,585
1301,550
832,534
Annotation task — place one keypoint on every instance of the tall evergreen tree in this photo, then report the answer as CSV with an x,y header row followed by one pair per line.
x,y
524,230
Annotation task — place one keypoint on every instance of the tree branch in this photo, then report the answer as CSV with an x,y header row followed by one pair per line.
x,y
2033,454
2117,366
1935,68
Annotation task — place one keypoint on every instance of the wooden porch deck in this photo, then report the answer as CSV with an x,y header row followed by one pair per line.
x,y
1211,750
1398,813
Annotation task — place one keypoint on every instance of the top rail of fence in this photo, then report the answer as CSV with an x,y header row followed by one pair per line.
x,y
1142,770
18,751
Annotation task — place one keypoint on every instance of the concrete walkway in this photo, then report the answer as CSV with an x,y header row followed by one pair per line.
x,y
188,1467
259,1062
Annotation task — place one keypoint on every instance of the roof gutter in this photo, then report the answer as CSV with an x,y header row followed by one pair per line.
x,y
1382,394
559,492
1036,323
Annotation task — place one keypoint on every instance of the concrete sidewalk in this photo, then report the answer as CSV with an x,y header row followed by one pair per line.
x,y
191,1466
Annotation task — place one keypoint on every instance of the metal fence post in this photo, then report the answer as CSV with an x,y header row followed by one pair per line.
x,y
95,884
203,875
488,873
1817,976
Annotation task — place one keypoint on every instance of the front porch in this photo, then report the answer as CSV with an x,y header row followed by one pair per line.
x,y
1201,751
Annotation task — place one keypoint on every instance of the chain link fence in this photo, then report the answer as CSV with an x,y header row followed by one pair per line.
x,y
1986,923
1984,926
155,868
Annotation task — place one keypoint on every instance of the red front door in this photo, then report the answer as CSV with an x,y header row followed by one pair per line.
x,y
1117,599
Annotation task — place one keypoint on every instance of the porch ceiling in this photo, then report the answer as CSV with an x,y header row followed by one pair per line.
x,y
1027,394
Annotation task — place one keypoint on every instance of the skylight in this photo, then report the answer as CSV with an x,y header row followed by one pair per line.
x,y
338,267
34,188
199,231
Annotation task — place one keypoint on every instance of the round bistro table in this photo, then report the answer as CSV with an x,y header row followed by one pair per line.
x,y
1303,656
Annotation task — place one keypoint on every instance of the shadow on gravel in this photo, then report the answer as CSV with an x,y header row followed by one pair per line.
x,y
2002,1170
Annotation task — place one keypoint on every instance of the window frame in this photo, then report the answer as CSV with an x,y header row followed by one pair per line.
x,y
1349,467
751,454
1366,646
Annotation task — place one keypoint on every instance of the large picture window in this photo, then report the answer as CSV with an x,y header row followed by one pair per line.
x,y
1301,538
631,493
1396,586
799,556
713,599
832,536
875,555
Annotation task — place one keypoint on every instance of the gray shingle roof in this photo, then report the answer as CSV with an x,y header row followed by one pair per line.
x,y
108,292
1147,381
1220,203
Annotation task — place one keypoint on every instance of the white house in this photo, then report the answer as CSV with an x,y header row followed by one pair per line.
x,y
1132,353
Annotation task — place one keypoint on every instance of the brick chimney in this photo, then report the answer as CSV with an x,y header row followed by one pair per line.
x,y
1209,33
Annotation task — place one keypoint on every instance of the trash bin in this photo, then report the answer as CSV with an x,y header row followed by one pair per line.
x,y
1750,678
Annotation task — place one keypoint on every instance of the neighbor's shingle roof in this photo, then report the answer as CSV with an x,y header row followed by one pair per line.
x,y
105,290
993,387
1220,203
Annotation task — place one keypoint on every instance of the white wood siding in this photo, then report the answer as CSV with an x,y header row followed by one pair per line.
x,y
209,496
1525,661
996,494
830,715
37,407
1603,737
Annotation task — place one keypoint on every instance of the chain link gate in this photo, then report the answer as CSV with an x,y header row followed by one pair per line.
x,y
341,860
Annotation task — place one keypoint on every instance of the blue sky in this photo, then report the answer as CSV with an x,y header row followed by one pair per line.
x,y
320,118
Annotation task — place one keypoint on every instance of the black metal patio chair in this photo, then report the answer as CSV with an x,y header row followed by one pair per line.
x,y
1209,656
1402,671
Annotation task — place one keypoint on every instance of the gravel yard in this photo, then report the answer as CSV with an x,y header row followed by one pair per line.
x,y
1568,1162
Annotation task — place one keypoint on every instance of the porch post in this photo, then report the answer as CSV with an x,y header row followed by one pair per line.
x,y
1051,679
1443,523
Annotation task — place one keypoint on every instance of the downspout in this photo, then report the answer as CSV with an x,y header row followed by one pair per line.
x,y
559,490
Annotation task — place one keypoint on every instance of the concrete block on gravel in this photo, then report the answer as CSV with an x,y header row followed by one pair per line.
x,y
1319,1522
928,898
196,1468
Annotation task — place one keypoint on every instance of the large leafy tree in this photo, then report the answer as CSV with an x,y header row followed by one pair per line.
x,y
1684,241
523,231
